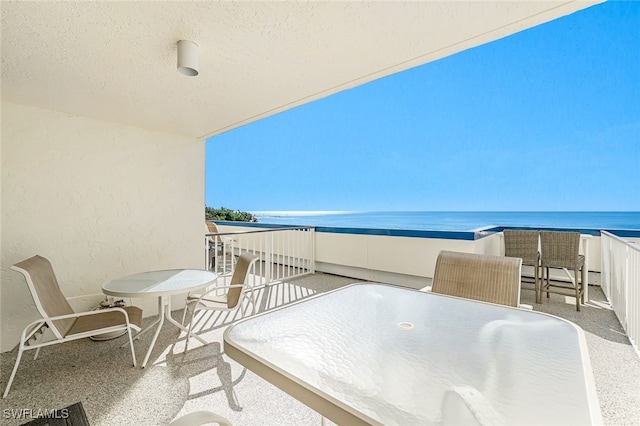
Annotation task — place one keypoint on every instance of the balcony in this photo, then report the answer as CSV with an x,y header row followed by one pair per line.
x,y
105,176
99,374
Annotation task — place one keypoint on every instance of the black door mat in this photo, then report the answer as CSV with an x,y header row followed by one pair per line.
x,y
72,415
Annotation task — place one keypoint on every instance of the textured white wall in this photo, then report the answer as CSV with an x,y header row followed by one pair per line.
x,y
99,200
395,260
400,255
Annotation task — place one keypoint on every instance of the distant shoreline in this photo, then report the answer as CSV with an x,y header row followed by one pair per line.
x,y
454,220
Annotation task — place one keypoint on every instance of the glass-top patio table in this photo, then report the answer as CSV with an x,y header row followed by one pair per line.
x,y
385,355
161,284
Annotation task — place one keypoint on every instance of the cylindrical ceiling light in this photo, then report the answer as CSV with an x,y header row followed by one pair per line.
x,y
188,58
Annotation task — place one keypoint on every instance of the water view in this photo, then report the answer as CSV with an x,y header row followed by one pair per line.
x,y
454,221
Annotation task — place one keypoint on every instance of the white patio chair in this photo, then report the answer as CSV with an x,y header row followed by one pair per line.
x,y
214,244
220,250
199,418
59,317
229,300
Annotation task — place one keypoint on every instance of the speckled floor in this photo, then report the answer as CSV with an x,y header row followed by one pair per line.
x,y
113,392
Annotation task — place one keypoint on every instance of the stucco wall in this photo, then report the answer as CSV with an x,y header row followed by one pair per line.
x,y
389,259
408,261
99,200
401,255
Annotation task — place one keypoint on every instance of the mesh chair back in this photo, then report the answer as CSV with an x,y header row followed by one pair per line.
x,y
212,229
240,274
522,244
46,293
560,249
493,279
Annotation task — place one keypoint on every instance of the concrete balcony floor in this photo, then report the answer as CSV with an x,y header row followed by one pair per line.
x,y
100,374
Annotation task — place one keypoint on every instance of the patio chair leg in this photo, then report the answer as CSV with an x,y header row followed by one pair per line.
x,y
186,342
35,340
536,284
577,284
585,282
245,305
539,273
548,282
15,369
184,314
133,352
140,333
254,308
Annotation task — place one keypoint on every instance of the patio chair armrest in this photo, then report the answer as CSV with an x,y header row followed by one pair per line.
x,y
525,306
216,288
83,314
200,418
33,327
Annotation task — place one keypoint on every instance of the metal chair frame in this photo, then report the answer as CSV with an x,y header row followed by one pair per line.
x,y
53,321
207,301
525,244
493,279
560,249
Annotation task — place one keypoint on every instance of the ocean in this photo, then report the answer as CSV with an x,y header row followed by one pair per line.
x,y
454,221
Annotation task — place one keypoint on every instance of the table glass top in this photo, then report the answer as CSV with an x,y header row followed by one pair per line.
x,y
159,282
391,354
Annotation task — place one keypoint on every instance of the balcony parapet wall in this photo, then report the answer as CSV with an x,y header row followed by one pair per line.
x,y
407,257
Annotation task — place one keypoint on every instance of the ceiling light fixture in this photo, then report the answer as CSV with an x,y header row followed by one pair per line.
x,y
188,58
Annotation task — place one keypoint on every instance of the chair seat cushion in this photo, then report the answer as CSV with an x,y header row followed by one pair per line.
x,y
556,263
533,261
108,318
208,300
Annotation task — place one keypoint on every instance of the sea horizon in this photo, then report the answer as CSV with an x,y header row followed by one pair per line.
x,y
453,220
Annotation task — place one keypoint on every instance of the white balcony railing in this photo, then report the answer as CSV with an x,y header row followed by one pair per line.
x,y
283,253
621,282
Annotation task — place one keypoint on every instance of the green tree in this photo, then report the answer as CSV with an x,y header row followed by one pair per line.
x,y
224,213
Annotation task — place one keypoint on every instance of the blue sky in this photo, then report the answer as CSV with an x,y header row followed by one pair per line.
x,y
544,120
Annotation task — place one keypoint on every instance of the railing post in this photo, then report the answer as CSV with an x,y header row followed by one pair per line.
x,y
622,282
585,248
286,249
607,265
268,256
628,306
312,260
206,253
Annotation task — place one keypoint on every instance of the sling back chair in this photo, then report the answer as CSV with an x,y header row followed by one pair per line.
x,y
214,243
59,317
524,244
199,418
219,247
560,250
493,279
229,300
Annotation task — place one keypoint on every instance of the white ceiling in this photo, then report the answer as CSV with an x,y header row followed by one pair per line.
x,y
116,61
